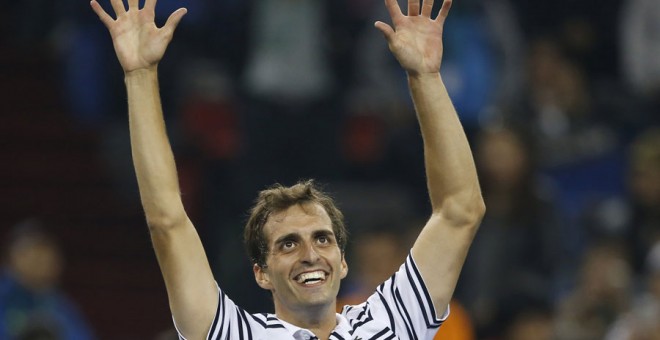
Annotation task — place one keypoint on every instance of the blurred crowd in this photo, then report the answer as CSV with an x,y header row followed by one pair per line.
x,y
32,307
560,100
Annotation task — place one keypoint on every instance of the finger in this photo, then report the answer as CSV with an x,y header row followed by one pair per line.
x,y
444,11
174,19
133,4
427,7
106,19
394,10
150,4
118,7
387,30
413,8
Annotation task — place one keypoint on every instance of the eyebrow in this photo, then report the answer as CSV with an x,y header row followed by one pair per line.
x,y
323,232
287,237
296,236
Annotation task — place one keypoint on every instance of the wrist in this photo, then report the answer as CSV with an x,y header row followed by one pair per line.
x,y
141,77
423,76
423,79
141,72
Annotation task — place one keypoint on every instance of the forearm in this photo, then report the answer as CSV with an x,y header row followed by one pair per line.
x,y
152,154
450,170
190,285
442,246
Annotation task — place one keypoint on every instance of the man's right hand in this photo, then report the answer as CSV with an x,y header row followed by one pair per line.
x,y
139,44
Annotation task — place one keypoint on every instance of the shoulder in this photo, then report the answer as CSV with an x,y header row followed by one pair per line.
x,y
266,321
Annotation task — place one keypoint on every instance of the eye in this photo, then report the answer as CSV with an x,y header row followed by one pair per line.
x,y
323,239
286,245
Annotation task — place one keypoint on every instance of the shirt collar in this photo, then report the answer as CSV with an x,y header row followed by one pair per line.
x,y
342,327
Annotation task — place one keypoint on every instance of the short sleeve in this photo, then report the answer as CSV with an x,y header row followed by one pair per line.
x,y
230,320
404,301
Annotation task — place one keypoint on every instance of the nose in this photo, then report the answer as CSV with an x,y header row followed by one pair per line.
x,y
310,254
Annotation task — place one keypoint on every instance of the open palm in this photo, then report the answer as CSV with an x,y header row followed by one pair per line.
x,y
416,39
138,42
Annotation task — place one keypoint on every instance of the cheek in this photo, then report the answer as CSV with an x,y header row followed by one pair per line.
x,y
279,269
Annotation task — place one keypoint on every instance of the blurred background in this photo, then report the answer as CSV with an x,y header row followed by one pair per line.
x,y
560,100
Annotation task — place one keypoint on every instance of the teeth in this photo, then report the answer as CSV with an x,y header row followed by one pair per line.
x,y
314,276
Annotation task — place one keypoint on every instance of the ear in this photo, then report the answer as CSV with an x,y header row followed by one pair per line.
x,y
344,267
261,276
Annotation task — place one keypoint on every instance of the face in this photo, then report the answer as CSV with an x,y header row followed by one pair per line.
x,y
502,158
36,262
304,265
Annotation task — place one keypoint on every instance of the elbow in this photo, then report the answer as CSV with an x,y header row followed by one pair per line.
x,y
164,222
480,211
164,215
463,212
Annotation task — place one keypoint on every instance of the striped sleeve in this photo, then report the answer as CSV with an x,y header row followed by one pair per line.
x,y
230,321
405,303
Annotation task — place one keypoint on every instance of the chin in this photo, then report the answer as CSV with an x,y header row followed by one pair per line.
x,y
317,298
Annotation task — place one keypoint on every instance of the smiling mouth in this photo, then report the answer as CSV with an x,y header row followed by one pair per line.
x,y
311,278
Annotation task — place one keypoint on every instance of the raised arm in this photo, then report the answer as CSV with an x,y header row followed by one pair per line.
x,y
140,45
439,252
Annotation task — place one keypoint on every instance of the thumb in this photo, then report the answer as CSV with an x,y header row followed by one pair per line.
x,y
174,19
386,29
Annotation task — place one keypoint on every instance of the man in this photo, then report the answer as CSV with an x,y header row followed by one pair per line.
x,y
301,261
31,305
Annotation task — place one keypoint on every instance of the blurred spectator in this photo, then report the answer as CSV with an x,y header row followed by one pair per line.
x,y
376,254
92,79
293,97
634,217
602,294
643,321
481,70
578,146
531,324
560,108
93,84
31,305
481,67
645,191
169,334
640,48
517,253
585,29
483,55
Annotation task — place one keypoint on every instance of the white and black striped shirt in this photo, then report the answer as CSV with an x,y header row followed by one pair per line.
x,y
401,308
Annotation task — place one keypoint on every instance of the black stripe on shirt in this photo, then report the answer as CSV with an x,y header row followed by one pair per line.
x,y
362,322
228,332
241,312
360,319
413,284
379,334
400,308
390,337
240,325
265,321
336,335
219,316
388,310
273,322
430,316
406,315
258,320
385,334
347,309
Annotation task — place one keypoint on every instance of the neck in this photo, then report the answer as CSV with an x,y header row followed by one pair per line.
x,y
320,320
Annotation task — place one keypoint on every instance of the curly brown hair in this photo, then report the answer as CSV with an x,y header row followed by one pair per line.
x,y
278,198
